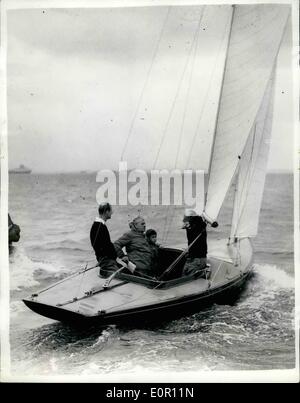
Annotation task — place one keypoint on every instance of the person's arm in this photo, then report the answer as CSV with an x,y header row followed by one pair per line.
x,y
95,237
122,242
108,246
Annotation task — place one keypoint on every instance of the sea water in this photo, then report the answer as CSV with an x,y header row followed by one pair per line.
x,y
55,213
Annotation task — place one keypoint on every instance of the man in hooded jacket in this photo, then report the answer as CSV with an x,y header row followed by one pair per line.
x,y
137,248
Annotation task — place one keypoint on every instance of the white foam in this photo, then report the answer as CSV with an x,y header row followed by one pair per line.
x,y
53,364
103,338
91,369
16,307
268,282
274,276
22,270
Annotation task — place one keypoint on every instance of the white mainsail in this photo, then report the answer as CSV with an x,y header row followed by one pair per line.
x,y
255,38
252,170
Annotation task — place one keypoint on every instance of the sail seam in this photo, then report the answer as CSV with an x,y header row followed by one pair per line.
x,y
207,91
145,84
176,95
167,225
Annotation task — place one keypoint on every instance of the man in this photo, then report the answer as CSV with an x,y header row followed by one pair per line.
x,y
197,238
13,231
137,249
100,239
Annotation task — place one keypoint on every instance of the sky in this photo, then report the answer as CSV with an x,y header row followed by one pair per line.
x,y
75,79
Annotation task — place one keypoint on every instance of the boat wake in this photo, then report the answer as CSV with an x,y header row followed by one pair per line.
x,y
269,289
214,339
273,277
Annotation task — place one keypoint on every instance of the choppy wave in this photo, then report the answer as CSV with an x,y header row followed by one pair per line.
x,y
269,292
64,243
273,276
254,333
17,308
27,273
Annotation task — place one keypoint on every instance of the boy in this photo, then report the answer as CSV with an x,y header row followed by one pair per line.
x,y
151,237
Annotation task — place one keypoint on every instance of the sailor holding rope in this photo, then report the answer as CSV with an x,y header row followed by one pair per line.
x,y
196,234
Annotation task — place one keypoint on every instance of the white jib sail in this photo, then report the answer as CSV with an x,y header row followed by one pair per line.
x,y
254,42
252,170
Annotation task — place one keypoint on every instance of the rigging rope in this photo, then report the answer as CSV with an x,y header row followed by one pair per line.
x,y
221,45
145,83
68,278
173,264
168,223
207,91
177,93
194,47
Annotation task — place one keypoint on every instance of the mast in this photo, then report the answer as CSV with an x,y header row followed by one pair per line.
x,y
220,96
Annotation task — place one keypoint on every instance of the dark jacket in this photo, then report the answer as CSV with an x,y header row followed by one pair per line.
x,y
137,248
154,258
13,231
100,240
199,248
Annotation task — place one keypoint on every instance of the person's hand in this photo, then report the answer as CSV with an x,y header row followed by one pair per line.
x,y
125,259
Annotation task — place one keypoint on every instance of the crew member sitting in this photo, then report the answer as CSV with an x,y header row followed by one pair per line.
x,y
100,239
151,236
197,238
137,248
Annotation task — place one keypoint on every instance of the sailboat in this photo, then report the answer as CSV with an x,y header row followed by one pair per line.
x,y
239,154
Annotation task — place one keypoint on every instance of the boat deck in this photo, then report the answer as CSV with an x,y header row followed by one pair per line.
x,y
85,295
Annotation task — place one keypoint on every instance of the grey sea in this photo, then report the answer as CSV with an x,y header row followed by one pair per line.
x,y
55,213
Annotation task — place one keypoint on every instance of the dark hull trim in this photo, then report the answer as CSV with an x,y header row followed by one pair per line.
x,y
190,304
54,312
186,305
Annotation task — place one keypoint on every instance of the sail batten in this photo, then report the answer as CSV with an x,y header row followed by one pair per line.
x,y
254,43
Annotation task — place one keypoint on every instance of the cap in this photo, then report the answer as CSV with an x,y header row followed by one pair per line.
x,y
190,213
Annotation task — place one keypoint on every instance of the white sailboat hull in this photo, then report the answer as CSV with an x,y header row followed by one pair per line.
x,y
130,299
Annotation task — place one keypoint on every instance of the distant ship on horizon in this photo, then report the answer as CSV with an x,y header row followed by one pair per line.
x,y
21,170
